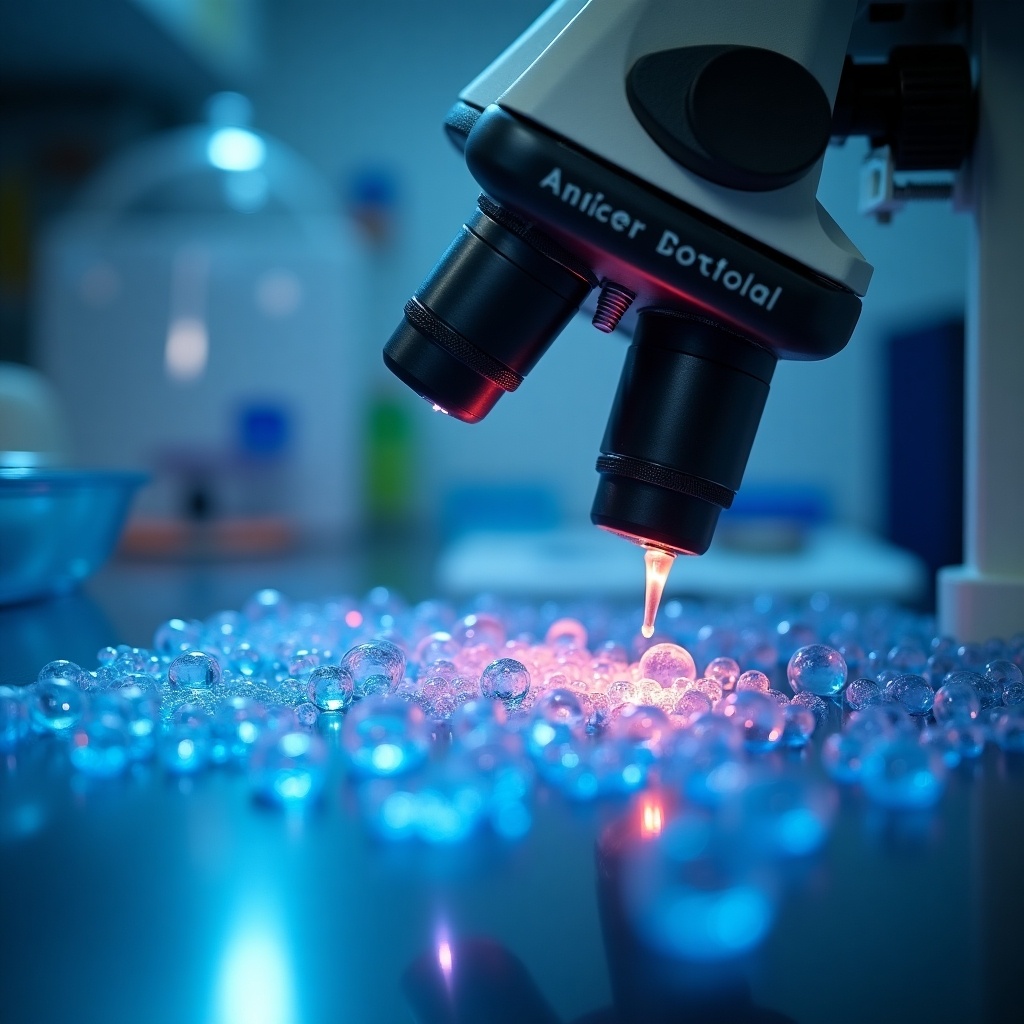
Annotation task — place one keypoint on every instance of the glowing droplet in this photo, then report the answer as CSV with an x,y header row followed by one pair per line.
x,y
659,564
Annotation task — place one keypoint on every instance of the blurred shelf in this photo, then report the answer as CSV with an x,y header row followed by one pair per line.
x,y
178,52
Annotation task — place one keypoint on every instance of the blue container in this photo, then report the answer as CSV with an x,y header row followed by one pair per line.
x,y
57,526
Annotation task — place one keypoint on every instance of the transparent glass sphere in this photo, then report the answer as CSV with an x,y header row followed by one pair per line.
x,y
753,679
817,669
956,701
375,667
666,663
330,687
194,670
758,717
506,680
56,705
913,692
862,693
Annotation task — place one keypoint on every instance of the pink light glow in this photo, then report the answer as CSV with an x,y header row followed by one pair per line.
x,y
652,818
353,619
444,959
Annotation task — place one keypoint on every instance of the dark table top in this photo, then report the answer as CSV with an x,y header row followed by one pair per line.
x,y
154,899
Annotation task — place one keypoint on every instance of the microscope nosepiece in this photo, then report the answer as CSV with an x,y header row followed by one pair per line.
x,y
682,425
490,308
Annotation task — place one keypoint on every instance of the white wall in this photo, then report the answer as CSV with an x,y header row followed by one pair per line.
x,y
354,83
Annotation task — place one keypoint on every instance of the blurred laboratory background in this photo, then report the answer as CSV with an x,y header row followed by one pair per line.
x,y
213,212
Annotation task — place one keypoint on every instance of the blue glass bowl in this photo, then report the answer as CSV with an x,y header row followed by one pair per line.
x,y
58,526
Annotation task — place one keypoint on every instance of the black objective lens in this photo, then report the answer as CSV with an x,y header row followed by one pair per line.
x,y
689,402
494,302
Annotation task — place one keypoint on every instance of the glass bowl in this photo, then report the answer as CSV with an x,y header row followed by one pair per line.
x,y
58,526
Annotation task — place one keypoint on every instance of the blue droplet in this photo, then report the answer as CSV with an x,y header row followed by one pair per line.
x,y
14,717
234,730
478,722
900,772
799,725
913,692
99,746
385,736
184,745
289,769
1008,729
56,705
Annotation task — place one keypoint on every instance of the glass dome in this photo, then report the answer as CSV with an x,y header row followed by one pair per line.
x,y
223,168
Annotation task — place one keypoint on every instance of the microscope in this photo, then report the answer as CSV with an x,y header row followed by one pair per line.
x,y
658,162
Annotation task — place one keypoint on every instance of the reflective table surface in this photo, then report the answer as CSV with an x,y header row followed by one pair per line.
x,y
155,899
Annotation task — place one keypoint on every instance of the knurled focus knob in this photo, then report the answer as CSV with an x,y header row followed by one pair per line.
x,y
920,104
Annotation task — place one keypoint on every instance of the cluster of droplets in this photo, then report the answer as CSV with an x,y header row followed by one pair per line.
x,y
448,720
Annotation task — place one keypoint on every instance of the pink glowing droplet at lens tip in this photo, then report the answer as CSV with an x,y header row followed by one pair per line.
x,y
659,564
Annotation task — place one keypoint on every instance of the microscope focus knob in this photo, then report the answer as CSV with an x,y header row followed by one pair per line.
x,y
920,103
739,116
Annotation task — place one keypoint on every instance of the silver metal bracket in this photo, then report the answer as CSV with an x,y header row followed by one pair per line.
x,y
881,195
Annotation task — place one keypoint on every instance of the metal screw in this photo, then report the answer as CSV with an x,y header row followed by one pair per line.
x,y
613,301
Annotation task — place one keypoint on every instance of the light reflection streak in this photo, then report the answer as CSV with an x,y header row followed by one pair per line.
x,y
256,983
445,960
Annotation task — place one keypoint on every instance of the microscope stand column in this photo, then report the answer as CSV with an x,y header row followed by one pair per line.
x,y
985,597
